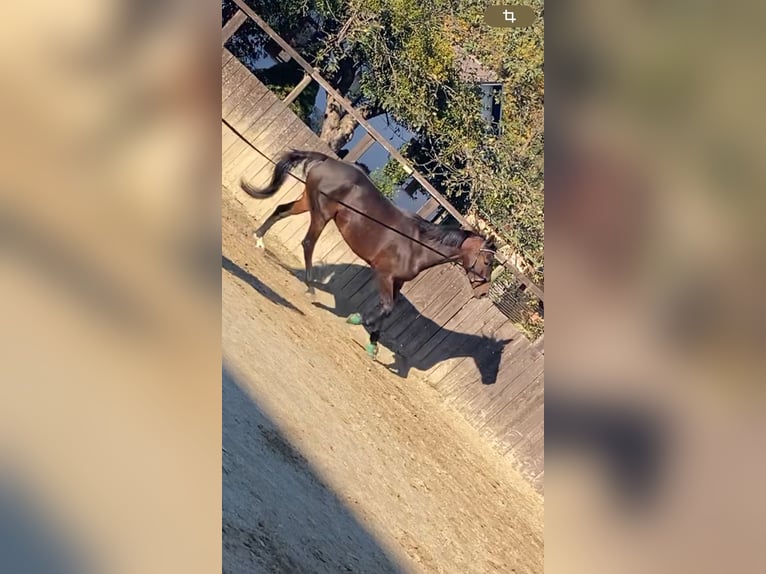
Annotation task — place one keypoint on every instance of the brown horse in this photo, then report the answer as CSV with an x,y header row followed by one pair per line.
x,y
396,244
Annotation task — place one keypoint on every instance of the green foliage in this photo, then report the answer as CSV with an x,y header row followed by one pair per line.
x,y
395,172
399,53
408,68
397,56
282,78
389,177
383,183
505,174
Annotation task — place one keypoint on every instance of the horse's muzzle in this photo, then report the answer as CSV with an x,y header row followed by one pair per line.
x,y
481,290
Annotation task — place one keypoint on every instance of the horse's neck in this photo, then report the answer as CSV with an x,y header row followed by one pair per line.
x,y
437,254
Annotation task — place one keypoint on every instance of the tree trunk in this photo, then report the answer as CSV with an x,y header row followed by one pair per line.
x,y
338,126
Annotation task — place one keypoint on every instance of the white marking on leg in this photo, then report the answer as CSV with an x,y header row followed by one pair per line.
x,y
259,242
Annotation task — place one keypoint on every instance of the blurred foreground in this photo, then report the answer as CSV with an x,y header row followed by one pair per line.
x,y
110,394
655,325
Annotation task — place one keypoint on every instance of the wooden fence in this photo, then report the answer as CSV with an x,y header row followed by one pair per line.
x,y
470,351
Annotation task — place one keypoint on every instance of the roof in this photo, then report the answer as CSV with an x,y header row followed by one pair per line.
x,y
472,70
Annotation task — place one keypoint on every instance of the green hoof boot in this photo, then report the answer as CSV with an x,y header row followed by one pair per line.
x,y
372,350
354,319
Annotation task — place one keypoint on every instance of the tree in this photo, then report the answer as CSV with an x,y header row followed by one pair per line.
x,y
398,57
385,56
507,173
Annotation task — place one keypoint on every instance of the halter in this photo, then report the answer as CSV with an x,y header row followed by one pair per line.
x,y
482,279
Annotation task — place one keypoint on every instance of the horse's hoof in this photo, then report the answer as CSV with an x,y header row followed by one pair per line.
x,y
259,242
310,290
372,350
354,319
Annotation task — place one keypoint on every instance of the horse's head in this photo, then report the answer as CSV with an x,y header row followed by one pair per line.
x,y
478,257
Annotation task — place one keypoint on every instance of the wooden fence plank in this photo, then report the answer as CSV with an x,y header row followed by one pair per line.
x,y
359,280
412,299
269,110
521,377
250,107
435,300
467,313
482,356
525,403
529,423
245,119
481,404
413,332
282,131
296,91
239,163
237,84
474,397
226,57
232,26
362,146
517,346
290,190
444,318
466,340
436,292
228,65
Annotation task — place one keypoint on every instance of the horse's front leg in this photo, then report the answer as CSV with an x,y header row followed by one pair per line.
x,y
374,322
389,289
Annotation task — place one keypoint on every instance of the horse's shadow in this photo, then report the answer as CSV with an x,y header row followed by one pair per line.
x,y
416,341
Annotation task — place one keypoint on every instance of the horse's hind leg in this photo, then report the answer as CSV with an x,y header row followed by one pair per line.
x,y
316,227
300,205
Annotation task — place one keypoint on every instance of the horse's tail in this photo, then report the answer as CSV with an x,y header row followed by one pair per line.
x,y
286,162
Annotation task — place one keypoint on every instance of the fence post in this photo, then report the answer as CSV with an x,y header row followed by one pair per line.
x,y
428,208
232,26
358,150
296,91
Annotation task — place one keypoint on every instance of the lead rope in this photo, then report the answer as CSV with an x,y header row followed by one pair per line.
x,y
445,258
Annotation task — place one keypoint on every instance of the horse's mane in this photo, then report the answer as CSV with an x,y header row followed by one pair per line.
x,y
363,167
450,236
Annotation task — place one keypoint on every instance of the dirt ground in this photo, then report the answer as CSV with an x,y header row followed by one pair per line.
x,y
334,464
